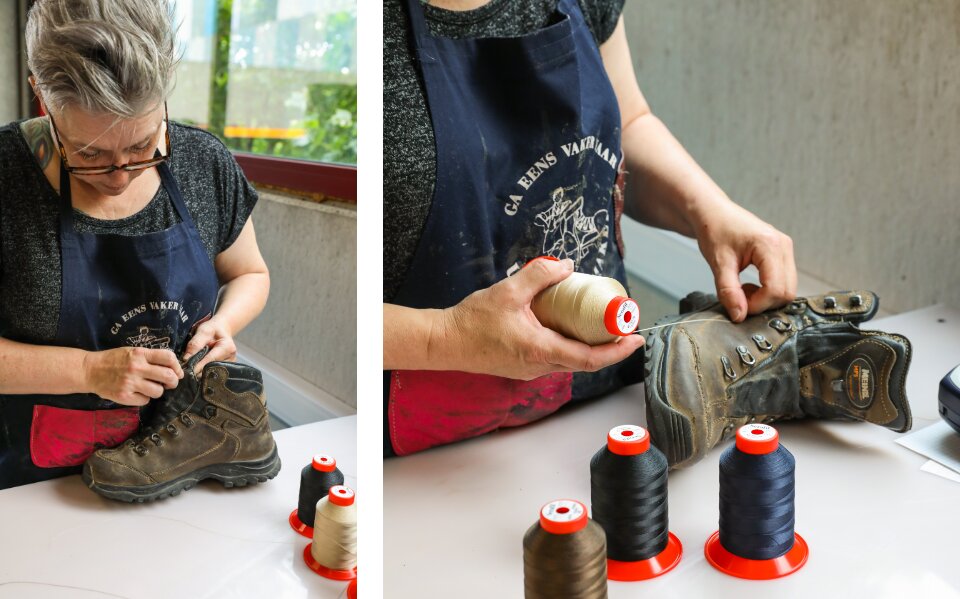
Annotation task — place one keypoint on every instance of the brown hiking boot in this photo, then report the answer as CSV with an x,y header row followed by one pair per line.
x,y
703,380
212,427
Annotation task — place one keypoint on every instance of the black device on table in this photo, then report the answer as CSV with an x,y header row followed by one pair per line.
x,y
950,398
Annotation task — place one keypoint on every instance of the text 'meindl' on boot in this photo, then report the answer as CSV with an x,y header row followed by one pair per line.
x,y
214,425
704,380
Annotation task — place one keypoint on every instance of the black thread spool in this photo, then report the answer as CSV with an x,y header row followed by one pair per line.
x,y
756,539
628,493
564,554
316,478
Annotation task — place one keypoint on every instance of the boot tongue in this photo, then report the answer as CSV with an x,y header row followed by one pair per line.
x,y
184,397
863,381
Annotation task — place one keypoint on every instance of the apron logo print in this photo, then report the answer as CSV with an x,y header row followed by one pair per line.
x,y
148,338
162,307
569,232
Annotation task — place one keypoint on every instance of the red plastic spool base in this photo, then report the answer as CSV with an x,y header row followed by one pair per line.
x,y
325,571
299,526
352,589
646,569
756,569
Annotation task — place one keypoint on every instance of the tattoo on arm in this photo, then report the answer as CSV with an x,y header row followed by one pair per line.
x,y
37,133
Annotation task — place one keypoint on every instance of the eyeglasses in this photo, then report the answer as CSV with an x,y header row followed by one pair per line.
x,y
105,170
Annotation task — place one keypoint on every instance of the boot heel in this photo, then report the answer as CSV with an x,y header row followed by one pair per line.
x,y
669,430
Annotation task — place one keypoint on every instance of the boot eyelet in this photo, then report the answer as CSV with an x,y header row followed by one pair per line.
x,y
829,302
157,439
186,419
745,356
796,307
781,325
856,301
173,430
728,370
210,412
762,343
141,450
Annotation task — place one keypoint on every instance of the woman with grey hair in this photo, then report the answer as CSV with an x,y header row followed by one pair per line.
x,y
118,231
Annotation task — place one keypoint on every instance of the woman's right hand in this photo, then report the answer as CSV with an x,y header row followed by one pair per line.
x,y
131,376
494,331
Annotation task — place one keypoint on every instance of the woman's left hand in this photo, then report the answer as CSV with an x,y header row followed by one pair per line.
x,y
216,335
732,238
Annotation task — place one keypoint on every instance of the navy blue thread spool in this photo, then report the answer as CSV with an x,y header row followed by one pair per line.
x,y
316,478
628,492
757,539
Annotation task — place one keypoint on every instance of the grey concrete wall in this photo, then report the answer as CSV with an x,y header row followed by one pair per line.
x,y
310,323
9,57
839,122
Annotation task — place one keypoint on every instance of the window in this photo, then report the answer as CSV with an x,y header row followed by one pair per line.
x,y
274,78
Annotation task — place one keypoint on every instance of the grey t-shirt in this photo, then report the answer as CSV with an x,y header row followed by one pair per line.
x,y
217,196
409,154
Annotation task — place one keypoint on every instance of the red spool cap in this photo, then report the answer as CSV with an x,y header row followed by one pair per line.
x,y
756,569
324,463
563,517
757,439
352,589
341,495
298,525
646,569
324,571
628,439
622,316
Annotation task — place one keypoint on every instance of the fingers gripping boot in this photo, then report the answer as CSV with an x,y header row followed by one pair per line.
x,y
705,379
216,427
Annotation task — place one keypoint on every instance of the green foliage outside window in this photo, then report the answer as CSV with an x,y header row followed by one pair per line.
x,y
330,120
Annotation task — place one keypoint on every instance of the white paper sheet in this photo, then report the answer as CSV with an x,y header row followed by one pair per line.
x,y
940,470
938,442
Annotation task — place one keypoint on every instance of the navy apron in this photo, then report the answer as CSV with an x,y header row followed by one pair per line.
x,y
147,290
527,134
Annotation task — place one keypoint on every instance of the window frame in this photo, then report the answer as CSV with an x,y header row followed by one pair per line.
x,y
330,180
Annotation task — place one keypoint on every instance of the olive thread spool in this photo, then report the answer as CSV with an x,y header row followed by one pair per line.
x,y
564,554
628,494
316,478
588,308
756,539
333,552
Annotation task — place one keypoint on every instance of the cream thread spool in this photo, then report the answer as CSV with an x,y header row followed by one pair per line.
x,y
588,308
333,552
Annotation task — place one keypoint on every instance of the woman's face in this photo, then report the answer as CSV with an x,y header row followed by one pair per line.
x,y
95,140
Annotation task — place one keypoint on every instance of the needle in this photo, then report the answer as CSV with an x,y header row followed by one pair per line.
x,y
670,324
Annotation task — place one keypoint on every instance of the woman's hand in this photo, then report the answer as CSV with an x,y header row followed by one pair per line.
x,y
732,238
131,376
494,331
216,335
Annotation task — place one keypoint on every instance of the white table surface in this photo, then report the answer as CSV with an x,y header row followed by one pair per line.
x,y
876,525
62,541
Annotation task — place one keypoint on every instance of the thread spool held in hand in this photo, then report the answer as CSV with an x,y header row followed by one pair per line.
x,y
756,539
316,478
564,554
628,491
588,308
333,552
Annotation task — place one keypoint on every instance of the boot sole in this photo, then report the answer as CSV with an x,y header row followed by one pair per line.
x,y
235,474
670,430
